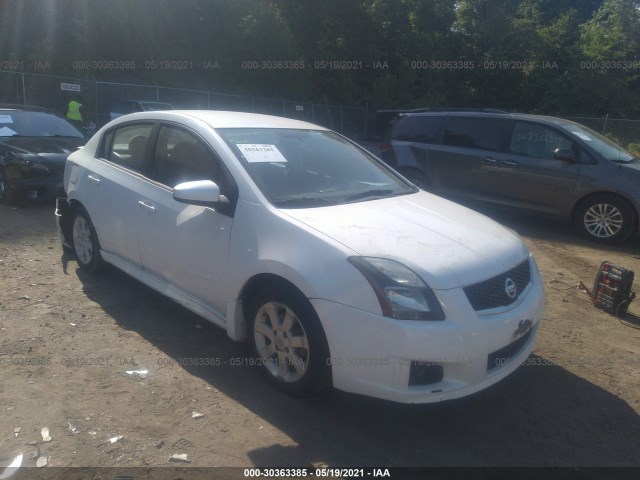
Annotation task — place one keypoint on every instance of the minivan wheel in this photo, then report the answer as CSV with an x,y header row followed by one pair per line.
x,y
416,177
85,242
288,341
605,219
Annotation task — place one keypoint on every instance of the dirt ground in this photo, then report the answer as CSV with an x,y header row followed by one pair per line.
x,y
68,338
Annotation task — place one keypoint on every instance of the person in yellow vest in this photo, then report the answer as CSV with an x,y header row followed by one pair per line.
x,y
74,114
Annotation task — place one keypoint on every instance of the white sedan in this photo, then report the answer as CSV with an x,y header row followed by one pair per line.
x,y
335,268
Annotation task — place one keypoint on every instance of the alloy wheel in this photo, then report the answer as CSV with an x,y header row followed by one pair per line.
x,y
281,342
82,240
603,220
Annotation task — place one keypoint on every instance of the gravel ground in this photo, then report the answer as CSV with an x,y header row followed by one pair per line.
x,y
67,340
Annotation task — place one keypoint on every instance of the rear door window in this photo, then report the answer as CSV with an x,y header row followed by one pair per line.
x,y
127,146
481,133
421,129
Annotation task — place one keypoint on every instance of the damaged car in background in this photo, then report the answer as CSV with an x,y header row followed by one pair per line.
x,y
34,146
337,270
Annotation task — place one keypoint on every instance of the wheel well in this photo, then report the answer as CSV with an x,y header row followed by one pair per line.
x,y
595,194
67,219
73,204
255,283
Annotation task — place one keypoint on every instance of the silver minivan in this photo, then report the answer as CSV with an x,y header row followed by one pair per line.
x,y
540,164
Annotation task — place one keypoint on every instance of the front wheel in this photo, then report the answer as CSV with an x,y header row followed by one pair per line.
x,y
85,242
288,341
605,219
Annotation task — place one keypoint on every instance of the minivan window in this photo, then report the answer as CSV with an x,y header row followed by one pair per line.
x,y
482,133
422,129
535,140
605,147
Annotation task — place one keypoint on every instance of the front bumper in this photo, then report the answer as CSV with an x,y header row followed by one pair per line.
x,y
375,356
36,187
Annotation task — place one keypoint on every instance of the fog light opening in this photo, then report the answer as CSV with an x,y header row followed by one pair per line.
x,y
425,373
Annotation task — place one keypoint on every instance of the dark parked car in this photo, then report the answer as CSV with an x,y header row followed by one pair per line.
x,y
123,107
34,146
540,164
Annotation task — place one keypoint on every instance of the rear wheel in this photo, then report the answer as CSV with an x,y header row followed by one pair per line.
x,y
288,341
85,242
605,219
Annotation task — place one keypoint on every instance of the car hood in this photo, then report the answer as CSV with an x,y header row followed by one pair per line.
x,y
447,244
633,166
46,149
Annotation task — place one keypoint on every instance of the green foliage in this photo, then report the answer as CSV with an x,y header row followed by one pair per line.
x,y
524,55
634,149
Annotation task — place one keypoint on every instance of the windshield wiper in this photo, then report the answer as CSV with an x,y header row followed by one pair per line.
x,y
374,193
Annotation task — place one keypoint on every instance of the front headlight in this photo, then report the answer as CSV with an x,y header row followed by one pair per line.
x,y
402,294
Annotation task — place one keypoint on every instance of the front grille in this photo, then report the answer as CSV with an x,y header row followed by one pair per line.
x,y
504,356
492,293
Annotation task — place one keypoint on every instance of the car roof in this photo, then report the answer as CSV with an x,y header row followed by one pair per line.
x,y
138,100
24,108
488,114
223,119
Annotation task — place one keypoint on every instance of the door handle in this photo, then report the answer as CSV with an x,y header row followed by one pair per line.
x,y
93,179
149,208
509,163
490,161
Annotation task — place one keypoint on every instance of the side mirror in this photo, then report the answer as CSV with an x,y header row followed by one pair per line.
x,y
565,154
200,192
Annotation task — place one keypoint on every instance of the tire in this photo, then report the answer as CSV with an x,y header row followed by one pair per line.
x,y
288,341
605,218
86,247
6,196
416,177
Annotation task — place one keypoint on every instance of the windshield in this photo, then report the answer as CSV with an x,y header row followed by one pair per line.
x,y
307,168
605,147
35,124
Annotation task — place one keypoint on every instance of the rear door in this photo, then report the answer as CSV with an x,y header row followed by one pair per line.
x,y
466,162
111,187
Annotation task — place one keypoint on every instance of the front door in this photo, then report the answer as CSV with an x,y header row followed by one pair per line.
x,y
186,245
530,177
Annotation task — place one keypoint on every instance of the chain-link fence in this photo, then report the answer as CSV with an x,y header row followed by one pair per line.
x,y
624,132
98,99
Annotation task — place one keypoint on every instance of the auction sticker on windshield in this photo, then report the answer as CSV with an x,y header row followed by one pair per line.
x,y
260,153
6,119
